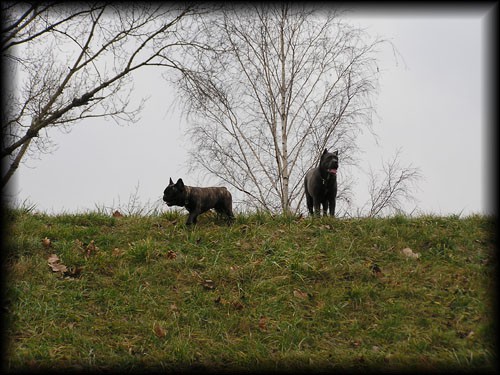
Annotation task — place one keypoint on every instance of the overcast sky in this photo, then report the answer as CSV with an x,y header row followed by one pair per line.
x,y
431,106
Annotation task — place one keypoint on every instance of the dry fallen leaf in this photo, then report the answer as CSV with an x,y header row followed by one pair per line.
x,y
209,284
409,253
53,258
54,263
159,330
117,214
46,242
299,294
263,323
171,254
58,267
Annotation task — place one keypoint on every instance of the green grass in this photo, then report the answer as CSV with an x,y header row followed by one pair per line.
x,y
266,293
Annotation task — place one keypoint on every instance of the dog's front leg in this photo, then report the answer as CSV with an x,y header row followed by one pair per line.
x,y
317,207
192,218
332,208
325,208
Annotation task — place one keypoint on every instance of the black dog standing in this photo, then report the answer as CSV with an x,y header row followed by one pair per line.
x,y
320,184
198,200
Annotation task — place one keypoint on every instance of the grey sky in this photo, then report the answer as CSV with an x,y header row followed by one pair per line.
x,y
430,105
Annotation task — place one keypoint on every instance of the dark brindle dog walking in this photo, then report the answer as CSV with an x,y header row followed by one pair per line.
x,y
320,184
198,200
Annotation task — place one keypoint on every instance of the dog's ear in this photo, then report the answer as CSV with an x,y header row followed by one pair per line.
x,y
325,152
336,153
171,182
180,183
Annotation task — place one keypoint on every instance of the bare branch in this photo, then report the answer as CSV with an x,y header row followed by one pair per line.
x,y
76,62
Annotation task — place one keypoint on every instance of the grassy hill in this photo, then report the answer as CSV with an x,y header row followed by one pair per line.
x,y
286,293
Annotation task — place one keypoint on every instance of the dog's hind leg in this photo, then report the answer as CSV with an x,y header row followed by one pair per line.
x,y
225,207
309,198
309,201
227,213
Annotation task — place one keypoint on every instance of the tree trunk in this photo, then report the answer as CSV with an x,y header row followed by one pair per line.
x,y
284,139
15,164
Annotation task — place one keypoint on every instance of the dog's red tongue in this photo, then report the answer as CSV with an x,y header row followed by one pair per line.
x,y
332,171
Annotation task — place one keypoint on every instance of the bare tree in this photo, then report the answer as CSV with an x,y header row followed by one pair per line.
x,y
390,187
74,62
293,80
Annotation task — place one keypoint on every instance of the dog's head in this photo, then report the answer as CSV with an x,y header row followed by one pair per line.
x,y
175,194
329,162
